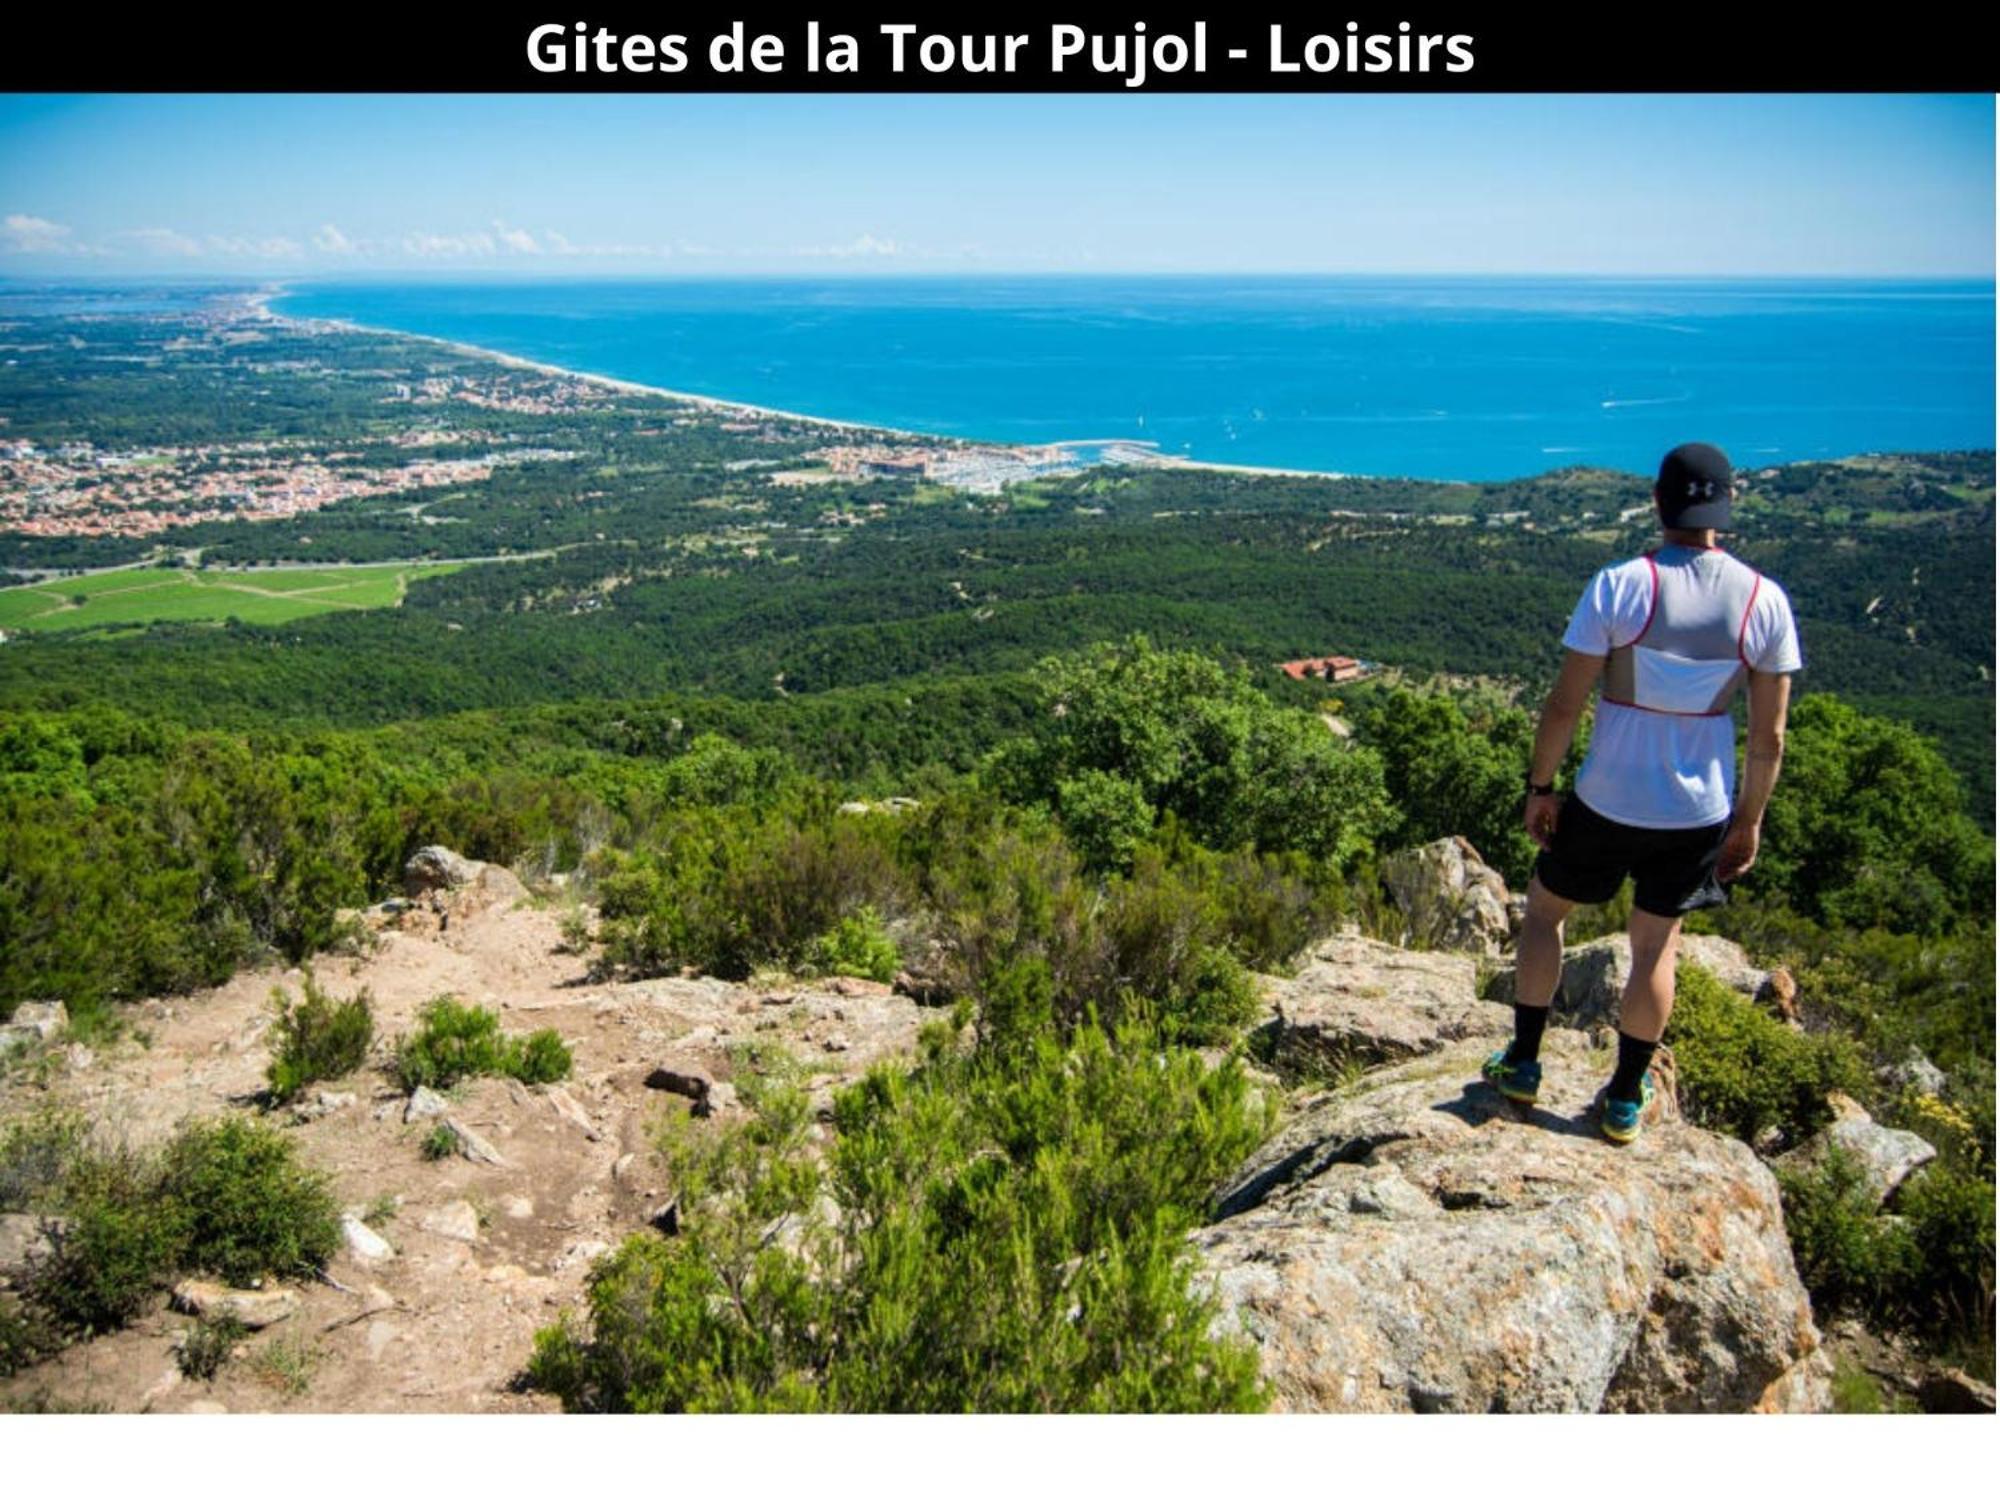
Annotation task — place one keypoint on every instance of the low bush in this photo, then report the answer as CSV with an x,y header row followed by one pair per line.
x,y
1742,1070
316,1037
121,1239
455,1041
250,1208
858,944
994,1231
1926,1268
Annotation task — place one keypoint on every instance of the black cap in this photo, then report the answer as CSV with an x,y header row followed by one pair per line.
x,y
1695,487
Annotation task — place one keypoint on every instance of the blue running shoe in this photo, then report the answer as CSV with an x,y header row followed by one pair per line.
x,y
1623,1118
1521,1082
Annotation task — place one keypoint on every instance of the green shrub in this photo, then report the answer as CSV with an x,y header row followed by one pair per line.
x,y
857,944
454,1041
994,1231
539,1057
122,1238
439,1142
1851,1257
316,1038
1742,1070
250,1208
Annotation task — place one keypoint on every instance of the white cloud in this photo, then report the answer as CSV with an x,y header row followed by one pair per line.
x,y
24,234
245,247
330,241
159,241
860,245
517,240
428,246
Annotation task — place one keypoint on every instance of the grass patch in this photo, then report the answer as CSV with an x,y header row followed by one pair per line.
x,y
257,596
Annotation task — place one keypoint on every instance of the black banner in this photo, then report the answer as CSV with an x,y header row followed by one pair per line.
x,y
995,48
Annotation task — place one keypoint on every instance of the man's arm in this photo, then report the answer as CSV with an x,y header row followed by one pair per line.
x,y
1560,713
1770,700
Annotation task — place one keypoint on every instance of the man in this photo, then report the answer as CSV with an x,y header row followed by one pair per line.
x,y
1674,635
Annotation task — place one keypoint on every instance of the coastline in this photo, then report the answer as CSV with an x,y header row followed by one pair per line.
x,y
259,302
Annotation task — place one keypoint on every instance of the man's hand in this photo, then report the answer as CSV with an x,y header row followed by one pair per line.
x,y
1539,817
1739,852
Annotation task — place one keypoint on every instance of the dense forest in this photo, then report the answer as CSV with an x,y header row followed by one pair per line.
x,y
663,672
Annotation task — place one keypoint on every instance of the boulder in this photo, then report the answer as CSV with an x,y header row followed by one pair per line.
x,y
33,1021
363,1242
1886,1157
436,868
1449,896
1915,1074
472,1145
564,1103
1595,973
457,1220
1357,1001
685,1082
1952,1391
1415,1243
253,1309
1779,994
425,1104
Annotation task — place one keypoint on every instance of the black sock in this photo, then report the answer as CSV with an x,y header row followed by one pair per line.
x,y
1634,1057
1529,1020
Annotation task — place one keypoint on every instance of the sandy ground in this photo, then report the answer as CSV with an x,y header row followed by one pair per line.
x,y
447,1323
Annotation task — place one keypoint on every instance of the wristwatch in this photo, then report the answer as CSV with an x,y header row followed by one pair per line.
x,y
1548,789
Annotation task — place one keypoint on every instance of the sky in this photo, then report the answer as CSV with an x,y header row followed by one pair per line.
x,y
292,186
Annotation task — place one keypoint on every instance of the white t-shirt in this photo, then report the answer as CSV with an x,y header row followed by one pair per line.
x,y
1663,770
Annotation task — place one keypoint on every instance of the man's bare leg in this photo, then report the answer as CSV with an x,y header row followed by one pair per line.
x,y
1537,972
1649,993
1538,952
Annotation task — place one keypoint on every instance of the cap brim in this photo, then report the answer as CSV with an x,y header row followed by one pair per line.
x,y
1709,515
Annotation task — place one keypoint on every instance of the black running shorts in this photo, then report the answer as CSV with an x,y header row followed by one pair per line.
x,y
1673,869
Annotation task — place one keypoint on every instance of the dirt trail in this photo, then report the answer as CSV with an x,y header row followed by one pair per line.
x,y
446,1323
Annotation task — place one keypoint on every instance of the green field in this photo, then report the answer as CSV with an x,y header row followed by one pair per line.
x,y
261,596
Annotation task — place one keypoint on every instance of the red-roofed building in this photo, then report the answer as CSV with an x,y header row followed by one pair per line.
x,y
1328,668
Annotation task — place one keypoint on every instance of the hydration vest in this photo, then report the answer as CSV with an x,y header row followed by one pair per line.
x,y
1688,659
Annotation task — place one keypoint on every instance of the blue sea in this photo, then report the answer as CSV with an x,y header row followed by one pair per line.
x,y
1440,379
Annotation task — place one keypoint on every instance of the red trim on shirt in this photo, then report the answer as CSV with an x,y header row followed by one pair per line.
x,y
1652,608
1675,713
1743,626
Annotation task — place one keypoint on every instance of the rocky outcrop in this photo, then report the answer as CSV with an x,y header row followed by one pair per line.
x,y
449,882
1595,974
1450,897
1357,1002
33,1021
1886,1157
1414,1243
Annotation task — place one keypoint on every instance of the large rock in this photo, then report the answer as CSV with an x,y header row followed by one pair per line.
x,y
1449,897
33,1021
1414,1243
1595,974
436,868
253,1309
1357,1001
1886,1157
